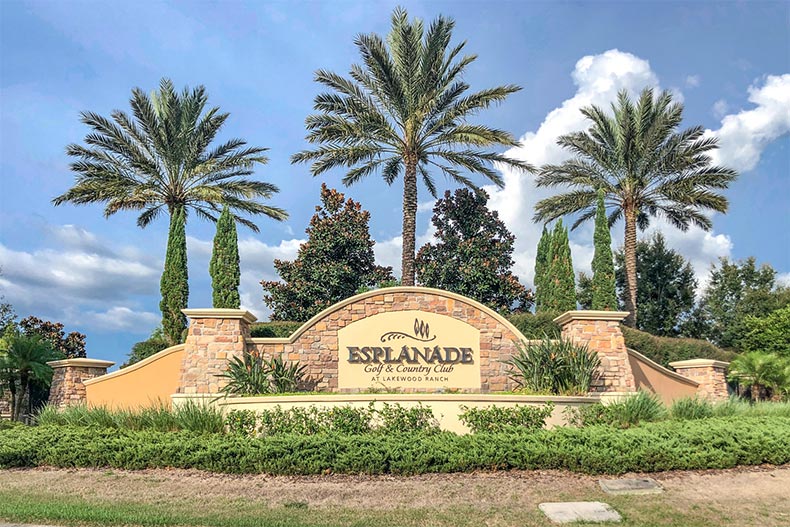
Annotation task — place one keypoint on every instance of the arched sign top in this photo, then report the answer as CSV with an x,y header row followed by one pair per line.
x,y
408,290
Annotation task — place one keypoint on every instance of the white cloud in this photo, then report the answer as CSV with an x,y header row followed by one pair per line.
x,y
743,136
783,279
77,279
692,81
720,108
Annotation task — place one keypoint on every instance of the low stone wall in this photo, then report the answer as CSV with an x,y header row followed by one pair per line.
x,y
446,407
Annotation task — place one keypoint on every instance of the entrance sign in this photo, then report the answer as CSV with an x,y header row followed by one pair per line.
x,y
408,349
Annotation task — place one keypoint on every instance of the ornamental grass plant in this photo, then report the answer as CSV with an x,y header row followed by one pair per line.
x,y
558,367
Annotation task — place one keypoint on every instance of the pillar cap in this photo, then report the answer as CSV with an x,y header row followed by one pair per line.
x,y
570,316
81,363
699,363
241,314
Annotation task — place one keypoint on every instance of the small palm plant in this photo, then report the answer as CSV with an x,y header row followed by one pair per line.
x,y
757,370
23,363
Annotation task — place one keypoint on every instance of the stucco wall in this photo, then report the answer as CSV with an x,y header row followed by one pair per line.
x,y
148,382
446,407
315,344
655,378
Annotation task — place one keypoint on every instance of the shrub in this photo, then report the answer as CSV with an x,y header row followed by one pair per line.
x,y
630,411
241,422
274,329
394,418
553,366
251,374
691,408
501,419
664,350
536,326
348,420
713,443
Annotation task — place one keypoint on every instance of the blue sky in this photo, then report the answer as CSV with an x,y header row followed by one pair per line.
x,y
729,62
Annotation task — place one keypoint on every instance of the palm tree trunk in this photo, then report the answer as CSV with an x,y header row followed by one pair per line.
x,y
20,398
409,220
630,266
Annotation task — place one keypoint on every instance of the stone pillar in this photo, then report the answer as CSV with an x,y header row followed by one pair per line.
x,y
67,386
711,375
215,335
600,331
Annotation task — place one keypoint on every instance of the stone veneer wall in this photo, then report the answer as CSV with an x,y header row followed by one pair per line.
x,y
600,331
711,375
317,346
67,386
214,337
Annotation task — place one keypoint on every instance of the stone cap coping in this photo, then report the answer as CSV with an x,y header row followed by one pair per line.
x,y
699,363
319,398
242,314
81,363
570,316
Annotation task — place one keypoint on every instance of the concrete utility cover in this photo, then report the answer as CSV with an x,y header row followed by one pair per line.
x,y
579,511
630,486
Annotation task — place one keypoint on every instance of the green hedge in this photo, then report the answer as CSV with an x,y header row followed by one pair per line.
x,y
714,443
664,350
536,326
278,329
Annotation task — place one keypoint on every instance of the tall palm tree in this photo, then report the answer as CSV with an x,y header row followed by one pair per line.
x,y
645,168
160,160
405,110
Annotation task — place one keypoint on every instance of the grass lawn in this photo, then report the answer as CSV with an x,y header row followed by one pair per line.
x,y
747,496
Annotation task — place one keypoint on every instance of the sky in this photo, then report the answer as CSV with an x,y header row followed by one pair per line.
x,y
728,62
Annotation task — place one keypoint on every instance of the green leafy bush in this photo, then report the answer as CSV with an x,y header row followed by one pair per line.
x,y
274,329
664,350
536,326
713,443
643,407
394,418
241,422
502,419
553,367
691,408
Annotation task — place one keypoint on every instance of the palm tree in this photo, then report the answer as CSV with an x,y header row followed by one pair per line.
x,y
405,110
759,370
159,161
25,362
645,168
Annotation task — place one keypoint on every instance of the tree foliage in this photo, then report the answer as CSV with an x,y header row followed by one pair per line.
x,y
604,295
70,346
559,286
23,363
333,264
737,290
541,268
473,253
224,266
769,334
404,111
160,160
666,287
174,285
644,166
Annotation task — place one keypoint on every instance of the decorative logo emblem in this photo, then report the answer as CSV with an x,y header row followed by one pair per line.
x,y
422,333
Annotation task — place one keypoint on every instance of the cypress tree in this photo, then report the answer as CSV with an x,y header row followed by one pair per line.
x,y
541,266
559,277
224,265
604,295
175,280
